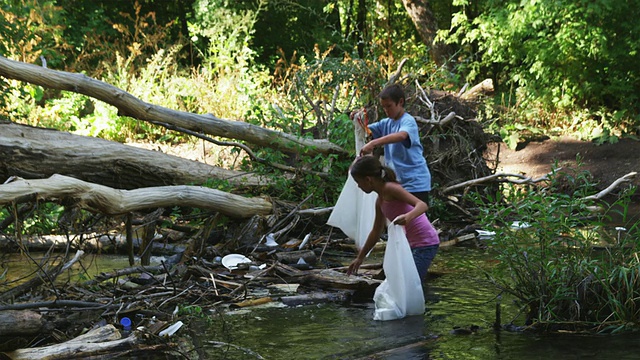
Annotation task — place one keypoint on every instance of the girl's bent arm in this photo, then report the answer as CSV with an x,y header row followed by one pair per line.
x,y
400,194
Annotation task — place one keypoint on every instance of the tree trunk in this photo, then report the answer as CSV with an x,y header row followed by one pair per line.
x,y
427,26
483,88
361,27
33,153
128,105
94,243
110,201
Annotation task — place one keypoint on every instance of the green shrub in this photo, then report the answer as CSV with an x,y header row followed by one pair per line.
x,y
563,264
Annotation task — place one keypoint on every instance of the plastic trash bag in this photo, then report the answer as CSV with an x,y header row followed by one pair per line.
x,y
400,294
355,210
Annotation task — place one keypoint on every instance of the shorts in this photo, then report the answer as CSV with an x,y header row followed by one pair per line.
x,y
423,257
423,195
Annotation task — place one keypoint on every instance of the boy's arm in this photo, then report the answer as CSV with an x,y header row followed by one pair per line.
x,y
384,140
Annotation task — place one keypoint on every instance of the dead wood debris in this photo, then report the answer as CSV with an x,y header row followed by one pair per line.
x,y
158,296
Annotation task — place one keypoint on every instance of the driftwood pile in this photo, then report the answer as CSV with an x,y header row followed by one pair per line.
x,y
61,314
55,312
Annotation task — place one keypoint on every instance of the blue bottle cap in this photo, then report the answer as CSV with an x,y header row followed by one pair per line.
x,y
126,322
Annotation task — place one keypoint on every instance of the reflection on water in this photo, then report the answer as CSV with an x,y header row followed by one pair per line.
x,y
312,332
21,268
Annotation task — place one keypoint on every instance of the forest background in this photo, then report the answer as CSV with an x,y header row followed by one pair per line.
x,y
558,68
300,67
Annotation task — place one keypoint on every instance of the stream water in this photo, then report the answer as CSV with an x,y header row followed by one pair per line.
x,y
457,298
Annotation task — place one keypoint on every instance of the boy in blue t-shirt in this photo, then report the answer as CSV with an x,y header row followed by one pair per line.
x,y
399,135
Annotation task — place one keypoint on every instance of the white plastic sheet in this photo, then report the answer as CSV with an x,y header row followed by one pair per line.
x,y
400,294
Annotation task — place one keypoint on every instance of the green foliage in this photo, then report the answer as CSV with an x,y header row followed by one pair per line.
x,y
30,31
225,34
558,56
190,310
43,219
550,262
33,30
315,100
317,94
285,28
514,133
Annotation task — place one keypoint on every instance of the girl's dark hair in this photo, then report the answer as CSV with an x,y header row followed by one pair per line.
x,y
369,165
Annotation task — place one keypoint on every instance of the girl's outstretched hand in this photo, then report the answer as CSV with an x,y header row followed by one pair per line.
x,y
354,266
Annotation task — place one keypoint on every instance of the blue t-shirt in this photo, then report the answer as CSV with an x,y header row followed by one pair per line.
x,y
405,158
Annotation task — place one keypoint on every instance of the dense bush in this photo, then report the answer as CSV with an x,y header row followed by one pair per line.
x,y
561,261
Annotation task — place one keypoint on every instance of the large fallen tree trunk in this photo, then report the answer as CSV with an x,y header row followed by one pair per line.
x,y
128,105
110,201
30,152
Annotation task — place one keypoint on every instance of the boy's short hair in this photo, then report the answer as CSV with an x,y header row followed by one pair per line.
x,y
394,92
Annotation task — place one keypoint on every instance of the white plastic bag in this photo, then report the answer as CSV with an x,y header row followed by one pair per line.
x,y
354,212
400,294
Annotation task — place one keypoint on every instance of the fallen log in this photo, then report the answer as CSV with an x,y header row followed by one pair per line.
x,y
99,341
20,322
106,200
457,240
128,105
94,243
625,179
56,304
123,272
36,153
293,257
485,87
331,279
316,298
499,177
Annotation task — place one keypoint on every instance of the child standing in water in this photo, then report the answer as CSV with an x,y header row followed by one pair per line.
x,y
398,206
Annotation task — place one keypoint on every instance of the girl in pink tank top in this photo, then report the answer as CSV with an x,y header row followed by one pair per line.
x,y
398,206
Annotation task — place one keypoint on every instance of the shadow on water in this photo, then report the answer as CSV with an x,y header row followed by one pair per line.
x,y
456,299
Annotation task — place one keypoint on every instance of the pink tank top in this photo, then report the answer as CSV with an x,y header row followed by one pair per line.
x,y
419,231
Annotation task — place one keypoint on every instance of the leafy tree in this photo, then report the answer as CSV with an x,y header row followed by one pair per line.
x,y
565,54
289,27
